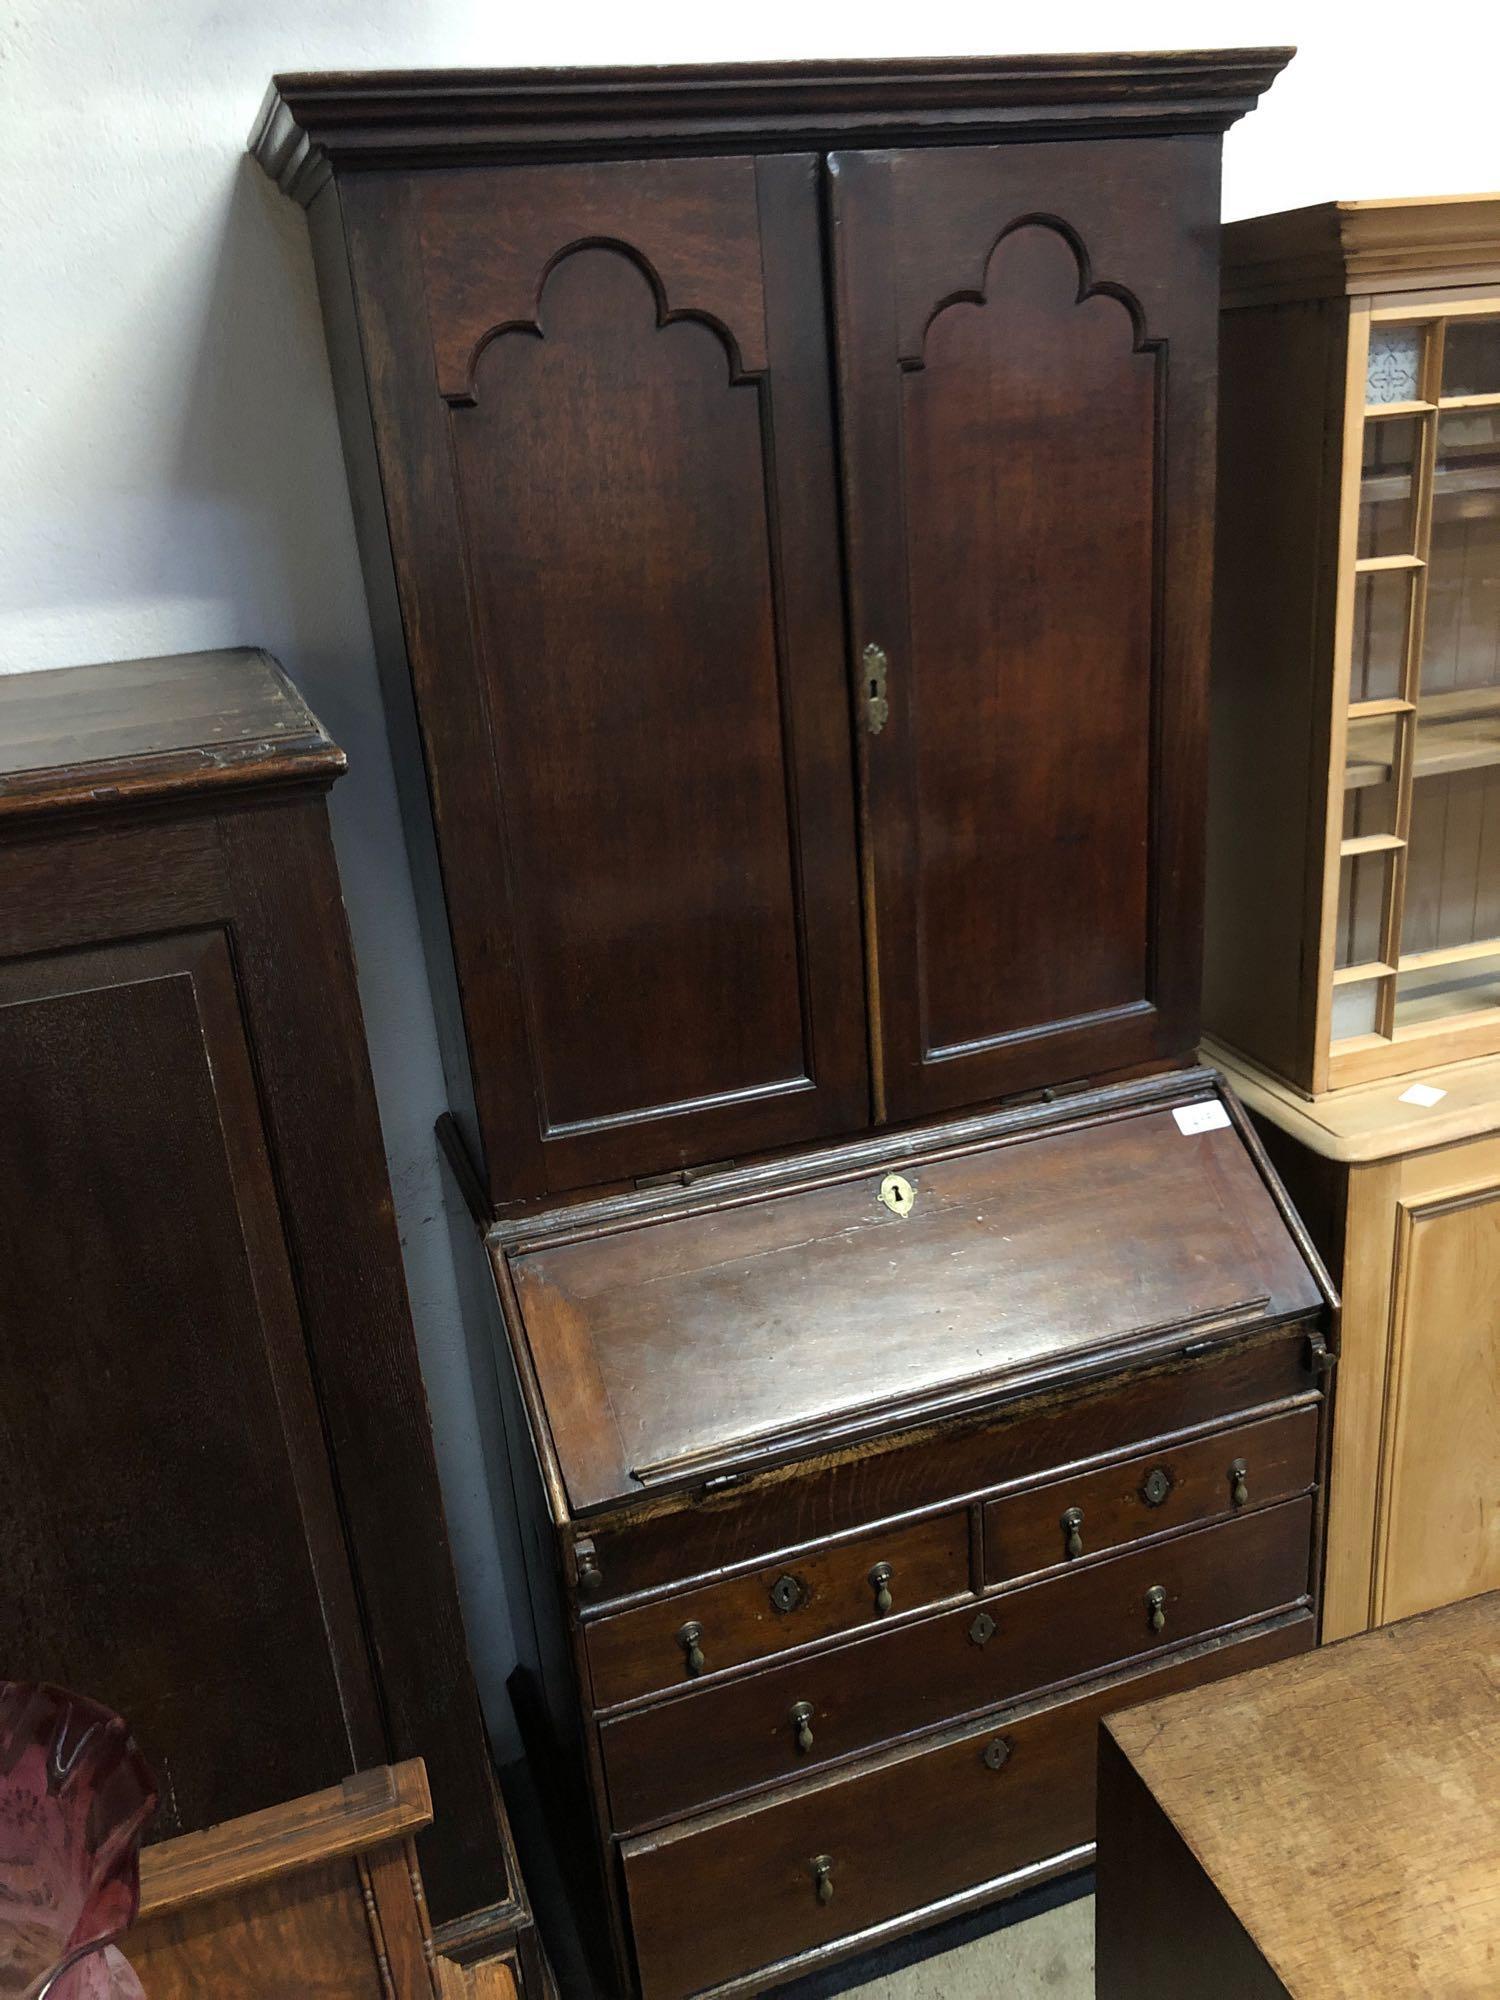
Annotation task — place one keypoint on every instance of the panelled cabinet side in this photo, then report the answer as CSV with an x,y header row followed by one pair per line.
x,y
1275,590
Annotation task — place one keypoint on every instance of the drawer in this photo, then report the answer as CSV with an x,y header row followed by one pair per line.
x,y
719,1898
1174,1487
679,1755
786,1603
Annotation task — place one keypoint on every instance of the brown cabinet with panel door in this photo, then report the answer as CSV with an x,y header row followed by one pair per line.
x,y
786,501
219,1506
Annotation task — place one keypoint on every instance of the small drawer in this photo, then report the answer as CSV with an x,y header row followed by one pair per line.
x,y
679,1755
736,1893
1173,1487
737,1619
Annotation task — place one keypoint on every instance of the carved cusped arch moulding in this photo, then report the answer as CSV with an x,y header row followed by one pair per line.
x,y
989,290
465,393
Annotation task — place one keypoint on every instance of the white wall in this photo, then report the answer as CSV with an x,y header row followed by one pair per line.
x,y
169,462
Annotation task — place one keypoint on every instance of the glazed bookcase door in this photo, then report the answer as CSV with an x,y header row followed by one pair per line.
x,y
1026,354
1412,885
602,419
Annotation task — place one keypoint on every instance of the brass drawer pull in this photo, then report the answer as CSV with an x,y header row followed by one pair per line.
x,y
801,1719
1072,1527
822,1874
880,1581
586,1564
688,1639
1239,1483
1156,1606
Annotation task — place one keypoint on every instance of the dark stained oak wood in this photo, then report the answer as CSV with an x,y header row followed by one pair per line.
x,y
656,1347
1119,1504
919,1826
680,1755
312,123
1026,358
826,1590
664,394
222,1508
604,438
1025,1440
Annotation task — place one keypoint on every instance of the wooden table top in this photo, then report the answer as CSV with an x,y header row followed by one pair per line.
x,y
1346,1805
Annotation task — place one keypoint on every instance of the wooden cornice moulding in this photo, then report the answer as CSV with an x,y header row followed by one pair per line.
x,y
138,732
310,124
1335,248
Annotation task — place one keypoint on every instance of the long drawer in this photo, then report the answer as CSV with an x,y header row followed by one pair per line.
x,y
1174,1485
773,1884
679,1754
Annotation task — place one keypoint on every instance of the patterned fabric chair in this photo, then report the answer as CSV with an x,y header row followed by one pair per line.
x,y
75,1797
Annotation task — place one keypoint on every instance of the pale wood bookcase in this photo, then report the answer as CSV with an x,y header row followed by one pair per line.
x,y
1353,936
1354,852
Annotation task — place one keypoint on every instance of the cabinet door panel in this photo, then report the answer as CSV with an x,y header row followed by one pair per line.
x,y
629,402
156,1402
1438,1536
1026,348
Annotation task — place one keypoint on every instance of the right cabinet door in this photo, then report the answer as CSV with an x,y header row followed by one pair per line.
x,y
1026,348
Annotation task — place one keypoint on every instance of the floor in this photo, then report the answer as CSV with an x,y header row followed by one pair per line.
x,y
1048,1957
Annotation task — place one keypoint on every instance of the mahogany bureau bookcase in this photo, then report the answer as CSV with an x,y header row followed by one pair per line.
x,y
786,497
219,1506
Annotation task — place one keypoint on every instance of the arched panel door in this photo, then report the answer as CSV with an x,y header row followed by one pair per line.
x,y
638,659
1026,349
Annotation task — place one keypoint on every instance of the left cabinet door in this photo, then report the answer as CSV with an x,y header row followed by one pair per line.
x,y
599,398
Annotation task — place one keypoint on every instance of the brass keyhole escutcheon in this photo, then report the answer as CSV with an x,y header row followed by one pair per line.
x,y
898,1195
1158,1485
877,709
689,1639
787,1592
880,1583
1156,1607
822,1874
1239,1483
1072,1527
801,1719
982,1630
996,1753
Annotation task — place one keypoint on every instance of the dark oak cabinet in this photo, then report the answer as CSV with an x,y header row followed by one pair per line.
x,y
219,1506
800,555
786,500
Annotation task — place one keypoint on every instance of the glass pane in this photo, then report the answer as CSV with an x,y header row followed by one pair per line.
x,y
1471,358
1391,445
1452,894
1369,776
1354,1009
1432,993
1395,370
1362,886
1461,648
1382,606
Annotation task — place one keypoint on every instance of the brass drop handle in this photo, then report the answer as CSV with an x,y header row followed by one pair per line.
x,y
1072,1526
1156,1606
822,1874
880,1582
1239,1483
688,1638
801,1719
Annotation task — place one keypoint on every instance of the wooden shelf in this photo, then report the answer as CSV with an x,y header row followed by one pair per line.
x,y
1456,731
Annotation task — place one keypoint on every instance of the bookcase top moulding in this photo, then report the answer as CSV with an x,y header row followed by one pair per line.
x,y
310,124
1409,242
